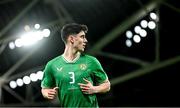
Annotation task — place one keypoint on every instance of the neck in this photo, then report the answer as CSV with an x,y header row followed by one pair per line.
x,y
70,53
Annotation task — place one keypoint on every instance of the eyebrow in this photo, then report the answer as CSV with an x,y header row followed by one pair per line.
x,y
83,35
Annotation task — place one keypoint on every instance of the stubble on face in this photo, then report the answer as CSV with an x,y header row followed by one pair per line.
x,y
80,42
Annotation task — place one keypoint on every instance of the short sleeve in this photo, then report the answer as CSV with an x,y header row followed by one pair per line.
x,y
99,74
48,79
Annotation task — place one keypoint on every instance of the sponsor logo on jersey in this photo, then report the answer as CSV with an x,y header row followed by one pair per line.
x,y
83,66
59,69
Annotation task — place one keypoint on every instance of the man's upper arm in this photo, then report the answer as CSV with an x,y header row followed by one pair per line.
x,y
48,80
99,73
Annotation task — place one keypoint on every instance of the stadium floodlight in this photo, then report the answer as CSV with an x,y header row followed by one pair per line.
x,y
37,26
128,43
27,28
137,29
46,32
39,75
19,82
140,30
33,77
144,24
26,80
152,25
13,84
129,34
18,43
136,38
30,38
11,45
153,16
143,33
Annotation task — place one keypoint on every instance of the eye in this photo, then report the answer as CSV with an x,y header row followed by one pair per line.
x,y
82,36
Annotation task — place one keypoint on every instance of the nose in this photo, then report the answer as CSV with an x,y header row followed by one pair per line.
x,y
85,40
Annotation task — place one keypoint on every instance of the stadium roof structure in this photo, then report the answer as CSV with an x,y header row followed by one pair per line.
x,y
143,74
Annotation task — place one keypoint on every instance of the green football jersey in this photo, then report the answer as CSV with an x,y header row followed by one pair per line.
x,y
66,75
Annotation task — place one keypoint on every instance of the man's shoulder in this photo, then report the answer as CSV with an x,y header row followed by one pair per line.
x,y
88,56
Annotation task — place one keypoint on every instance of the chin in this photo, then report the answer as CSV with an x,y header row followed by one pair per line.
x,y
81,50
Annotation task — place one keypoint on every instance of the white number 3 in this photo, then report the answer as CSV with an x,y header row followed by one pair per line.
x,y
72,77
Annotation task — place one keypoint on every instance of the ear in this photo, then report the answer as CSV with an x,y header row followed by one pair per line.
x,y
71,39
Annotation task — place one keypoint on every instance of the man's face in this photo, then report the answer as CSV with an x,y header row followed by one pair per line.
x,y
80,41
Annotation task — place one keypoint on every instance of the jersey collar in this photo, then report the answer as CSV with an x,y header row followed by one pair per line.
x,y
73,61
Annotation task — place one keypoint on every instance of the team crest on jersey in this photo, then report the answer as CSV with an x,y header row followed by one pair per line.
x,y
83,66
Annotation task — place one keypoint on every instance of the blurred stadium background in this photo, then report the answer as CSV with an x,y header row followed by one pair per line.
x,y
137,42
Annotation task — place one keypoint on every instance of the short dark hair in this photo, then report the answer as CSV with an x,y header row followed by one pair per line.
x,y
72,29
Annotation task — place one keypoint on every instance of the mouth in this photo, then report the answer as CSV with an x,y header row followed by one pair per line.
x,y
84,45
